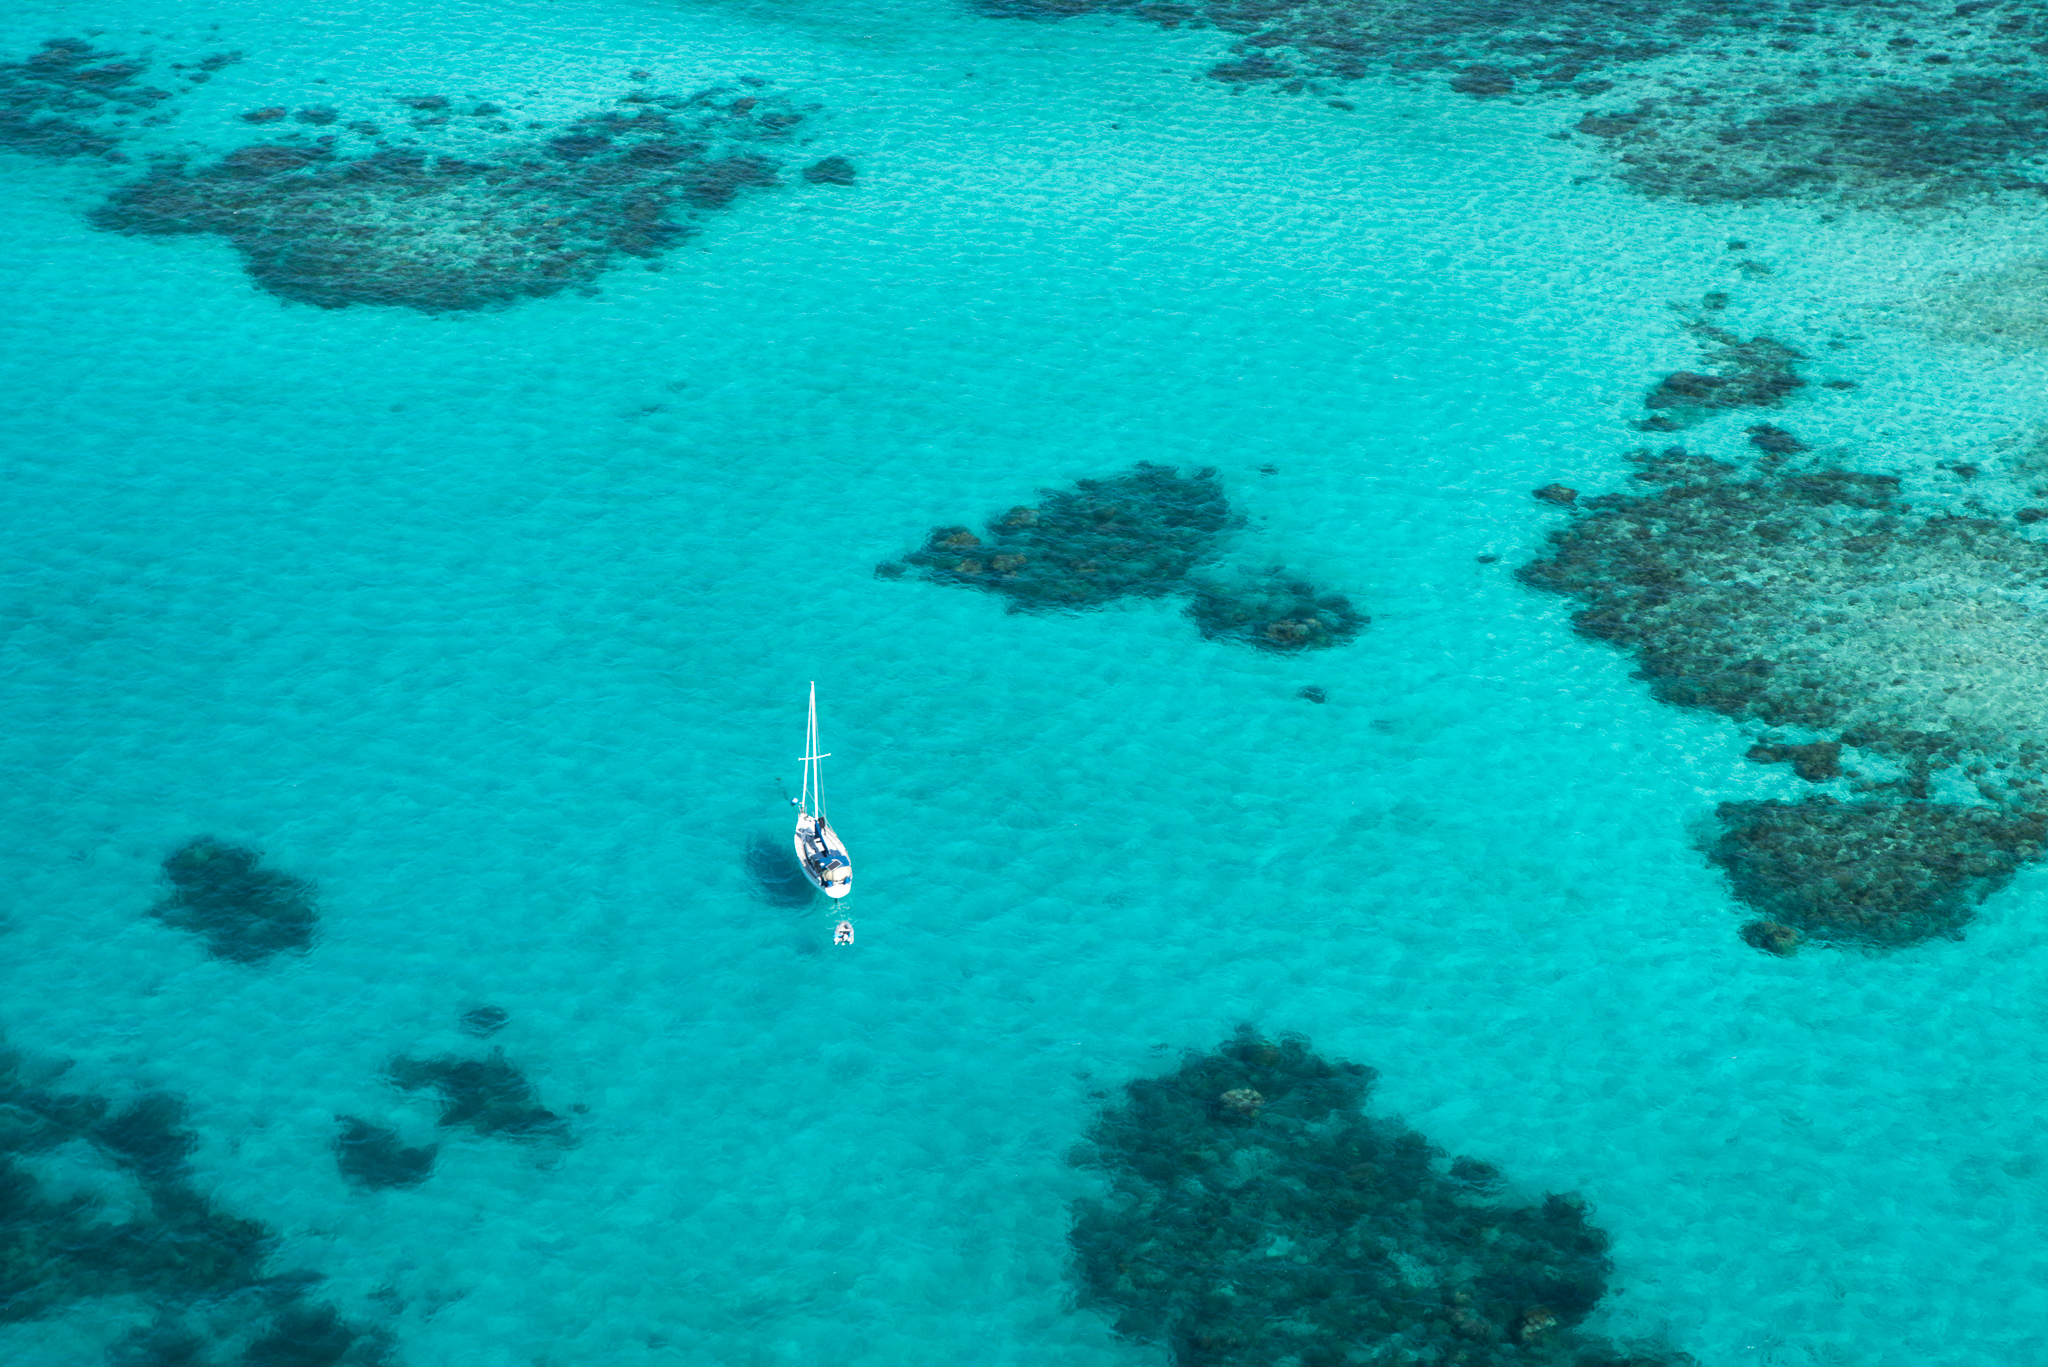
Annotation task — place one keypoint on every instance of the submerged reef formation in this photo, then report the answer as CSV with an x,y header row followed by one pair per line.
x,y
1876,872
508,218
1142,534
1487,47
1908,102
1133,535
1815,598
243,912
1889,143
1816,762
140,1229
456,210
67,100
488,1096
1273,611
1255,1215
374,1157
1758,373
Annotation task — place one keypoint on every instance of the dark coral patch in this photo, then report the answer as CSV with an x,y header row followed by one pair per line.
x,y
315,1335
63,100
1772,937
1257,1215
61,1249
1651,571
715,184
198,1269
1757,373
1877,873
1818,599
1143,535
149,1138
1484,81
830,171
244,912
1488,46
1775,441
1816,762
1794,107
489,1096
402,226
374,1157
1889,143
1133,535
1273,611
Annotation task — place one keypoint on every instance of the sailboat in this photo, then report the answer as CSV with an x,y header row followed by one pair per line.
x,y
818,847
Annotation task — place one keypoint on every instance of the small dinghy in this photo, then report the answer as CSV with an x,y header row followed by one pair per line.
x,y
818,847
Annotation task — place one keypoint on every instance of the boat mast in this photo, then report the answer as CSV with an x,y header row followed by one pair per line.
x,y
814,774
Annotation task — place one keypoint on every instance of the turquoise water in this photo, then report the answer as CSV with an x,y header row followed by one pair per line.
x,y
497,626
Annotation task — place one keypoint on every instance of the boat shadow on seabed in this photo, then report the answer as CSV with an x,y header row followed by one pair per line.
x,y
774,872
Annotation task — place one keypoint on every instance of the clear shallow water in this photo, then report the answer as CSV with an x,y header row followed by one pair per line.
x,y
496,627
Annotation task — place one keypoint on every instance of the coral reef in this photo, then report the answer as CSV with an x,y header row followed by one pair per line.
x,y
1887,144
198,1268
1138,535
373,1157
1488,47
1273,611
488,1096
1909,102
1256,1215
315,1336
265,1327
1772,937
245,913
830,171
1143,535
67,100
1817,761
1758,373
1877,873
1816,598
503,221
1813,598
1775,440
1906,104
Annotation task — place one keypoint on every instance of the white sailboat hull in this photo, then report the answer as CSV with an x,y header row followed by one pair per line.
x,y
822,855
